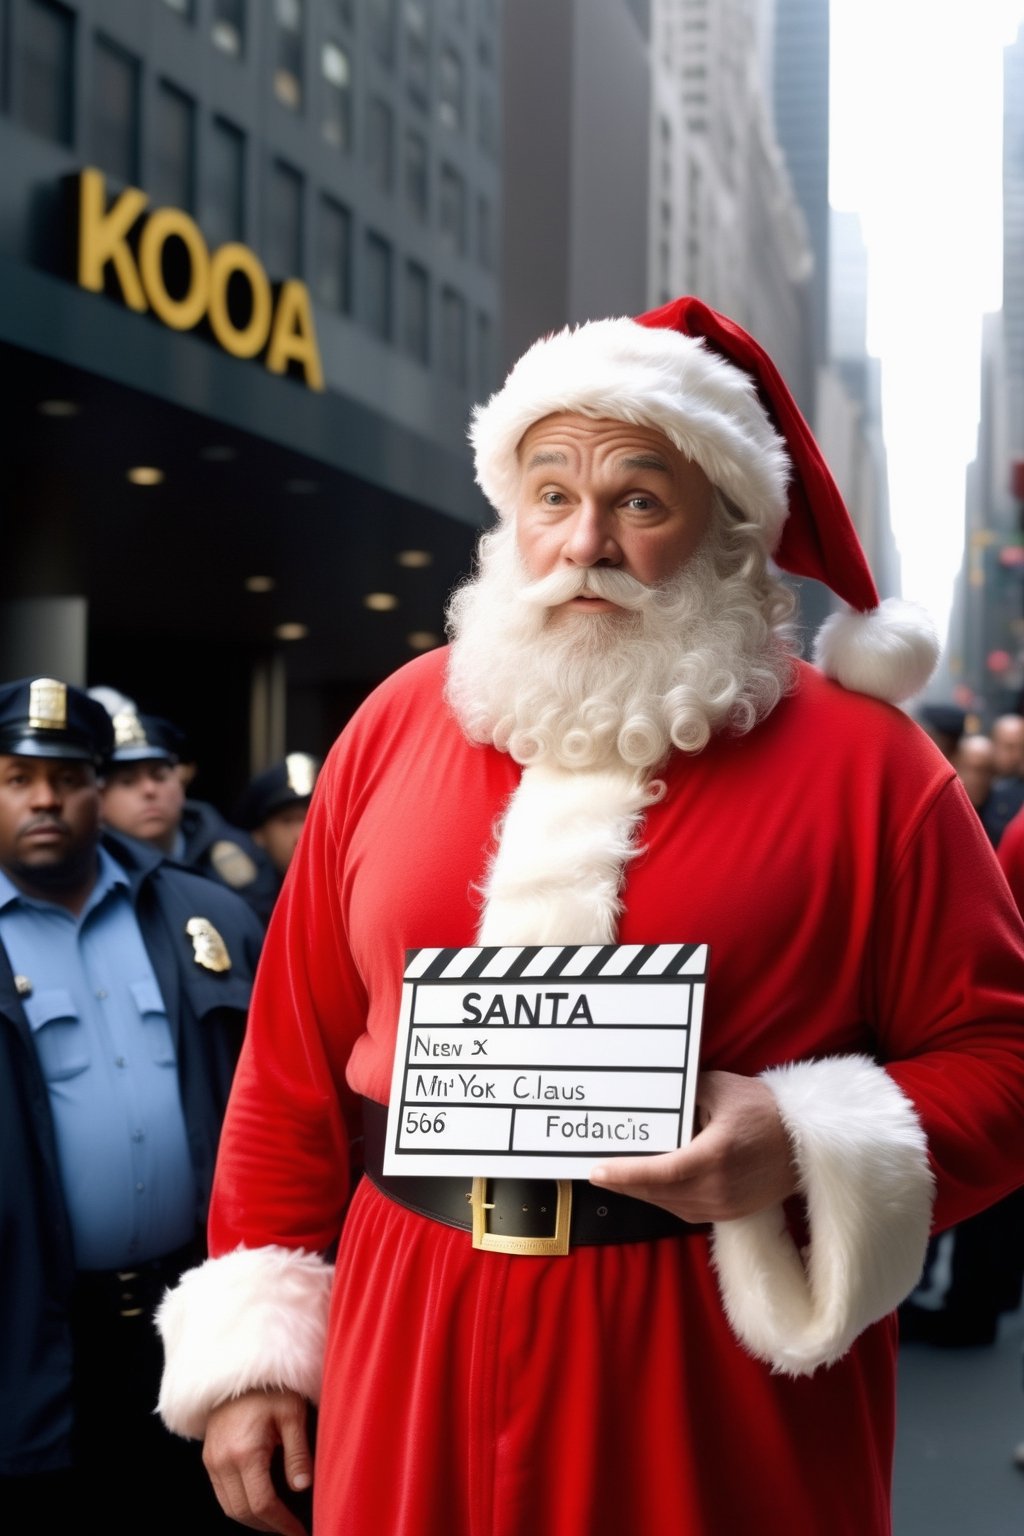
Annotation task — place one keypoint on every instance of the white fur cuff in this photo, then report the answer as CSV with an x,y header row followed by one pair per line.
x,y
254,1318
862,1158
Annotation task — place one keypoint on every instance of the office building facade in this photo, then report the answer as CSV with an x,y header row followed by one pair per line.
x,y
249,292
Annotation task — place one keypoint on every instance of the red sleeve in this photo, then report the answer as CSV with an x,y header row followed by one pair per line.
x,y
1010,854
282,1173
949,988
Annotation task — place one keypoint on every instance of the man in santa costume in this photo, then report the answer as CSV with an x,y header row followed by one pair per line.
x,y
620,747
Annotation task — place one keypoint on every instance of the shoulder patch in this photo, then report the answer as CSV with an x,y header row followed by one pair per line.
x,y
233,864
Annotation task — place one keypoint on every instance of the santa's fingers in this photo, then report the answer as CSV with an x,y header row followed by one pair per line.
x,y
242,1436
741,1161
659,1180
247,1494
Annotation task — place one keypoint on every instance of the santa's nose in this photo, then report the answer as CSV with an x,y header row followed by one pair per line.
x,y
590,537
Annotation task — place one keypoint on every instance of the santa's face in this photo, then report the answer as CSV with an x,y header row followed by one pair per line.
x,y
607,494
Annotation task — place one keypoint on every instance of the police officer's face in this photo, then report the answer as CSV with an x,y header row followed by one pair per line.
x,y
279,834
144,800
49,821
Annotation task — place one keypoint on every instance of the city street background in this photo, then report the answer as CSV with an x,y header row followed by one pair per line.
x,y
961,1413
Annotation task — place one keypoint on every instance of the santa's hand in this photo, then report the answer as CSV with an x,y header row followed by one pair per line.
x,y
241,1438
740,1162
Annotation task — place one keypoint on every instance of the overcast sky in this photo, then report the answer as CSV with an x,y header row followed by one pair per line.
x,y
916,149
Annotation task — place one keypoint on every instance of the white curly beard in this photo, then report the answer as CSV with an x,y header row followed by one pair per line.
x,y
704,653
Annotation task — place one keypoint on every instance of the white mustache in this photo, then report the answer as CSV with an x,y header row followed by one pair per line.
x,y
597,581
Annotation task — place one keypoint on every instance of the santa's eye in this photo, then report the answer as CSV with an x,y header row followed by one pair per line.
x,y
640,503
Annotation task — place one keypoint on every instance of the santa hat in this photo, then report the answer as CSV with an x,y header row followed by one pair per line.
x,y
704,383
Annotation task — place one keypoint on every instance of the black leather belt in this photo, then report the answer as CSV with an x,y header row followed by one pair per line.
x,y
519,1216
136,1290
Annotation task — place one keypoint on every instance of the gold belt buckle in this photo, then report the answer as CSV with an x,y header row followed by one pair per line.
x,y
555,1246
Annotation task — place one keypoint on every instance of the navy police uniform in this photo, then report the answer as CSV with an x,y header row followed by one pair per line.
x,y
79,1363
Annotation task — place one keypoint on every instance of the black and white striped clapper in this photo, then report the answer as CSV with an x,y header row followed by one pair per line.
x,y
549,961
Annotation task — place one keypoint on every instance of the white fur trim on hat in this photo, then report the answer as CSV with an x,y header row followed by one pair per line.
x,y
889,653
254,1318
863,1164
565,839
653,377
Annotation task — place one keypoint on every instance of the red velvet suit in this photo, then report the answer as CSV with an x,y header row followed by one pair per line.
x,y
1011,858
851,903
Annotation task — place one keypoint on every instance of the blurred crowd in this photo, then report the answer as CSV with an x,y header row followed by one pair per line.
x,y
974,1273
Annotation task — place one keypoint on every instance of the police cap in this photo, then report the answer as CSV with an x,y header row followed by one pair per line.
x,y
144,738
286,783
947,718
41,717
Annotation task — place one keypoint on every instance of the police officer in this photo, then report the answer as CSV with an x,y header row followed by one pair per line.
x,y
144,797
274,804
124,984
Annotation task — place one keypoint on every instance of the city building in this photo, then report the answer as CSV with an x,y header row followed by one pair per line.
x,y
987,625
849,421
248,252
577,79
800,111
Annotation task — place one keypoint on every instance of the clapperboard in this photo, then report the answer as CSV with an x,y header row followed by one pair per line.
x,y
544,1060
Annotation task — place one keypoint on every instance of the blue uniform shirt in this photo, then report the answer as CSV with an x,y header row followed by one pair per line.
x,y
104,1044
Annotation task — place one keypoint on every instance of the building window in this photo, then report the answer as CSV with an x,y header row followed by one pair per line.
x,y
484,234
115,111
486,124
288,53
451,111
44,70
417,53
377,304
337,84
284,221
171,182
333,274
484,355
453,336
487,26
381,26
452,209
224,206
416,312
416,174
228,27
380,147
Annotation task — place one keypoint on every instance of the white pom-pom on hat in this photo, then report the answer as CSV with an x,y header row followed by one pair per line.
x,y
889,652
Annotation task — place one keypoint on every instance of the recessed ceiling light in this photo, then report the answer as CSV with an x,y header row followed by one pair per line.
x,y
58,407
218,453
145,474
301,487
259,583
414,559
291,631
423,640
380,602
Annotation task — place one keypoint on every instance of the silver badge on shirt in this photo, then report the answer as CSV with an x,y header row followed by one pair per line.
x,y
209,948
